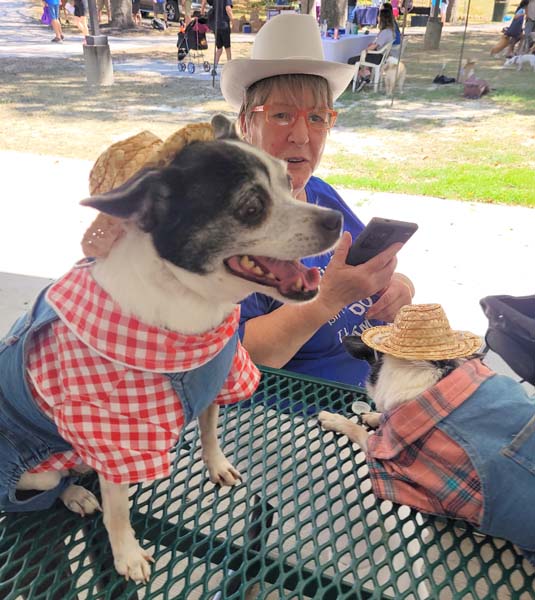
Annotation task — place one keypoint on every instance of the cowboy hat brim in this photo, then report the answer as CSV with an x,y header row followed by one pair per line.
x,y
462,344
238,74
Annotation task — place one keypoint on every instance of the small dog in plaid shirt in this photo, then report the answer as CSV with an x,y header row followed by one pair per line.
x,y
454,438
123,351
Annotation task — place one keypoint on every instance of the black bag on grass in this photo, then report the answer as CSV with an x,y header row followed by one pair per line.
x,y
159,24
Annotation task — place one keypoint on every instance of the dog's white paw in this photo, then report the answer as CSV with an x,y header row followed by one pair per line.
x,y
131,560
220,468
372,419
332,421
80,500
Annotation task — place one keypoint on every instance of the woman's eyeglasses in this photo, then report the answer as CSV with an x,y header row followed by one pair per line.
x,y
285,116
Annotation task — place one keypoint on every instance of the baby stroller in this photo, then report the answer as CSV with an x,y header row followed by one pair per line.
x,y
192,40
511,332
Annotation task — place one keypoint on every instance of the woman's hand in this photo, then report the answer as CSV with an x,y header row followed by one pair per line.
x,y
343,284
398,293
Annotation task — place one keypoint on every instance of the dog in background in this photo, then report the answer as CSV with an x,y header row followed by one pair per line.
x,y
520,61
452,438
392,74
193,246
468,70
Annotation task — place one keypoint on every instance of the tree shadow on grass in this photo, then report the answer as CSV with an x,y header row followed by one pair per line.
x,y
59,88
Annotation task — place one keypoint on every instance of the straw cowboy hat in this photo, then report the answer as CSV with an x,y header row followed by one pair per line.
x,y
287,44
421,332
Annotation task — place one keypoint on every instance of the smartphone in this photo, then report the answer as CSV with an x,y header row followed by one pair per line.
x,y
377,236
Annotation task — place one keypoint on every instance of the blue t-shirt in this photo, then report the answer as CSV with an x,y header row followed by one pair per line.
x,y
323,355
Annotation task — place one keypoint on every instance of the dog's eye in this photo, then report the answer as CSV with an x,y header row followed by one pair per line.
x,y
251,211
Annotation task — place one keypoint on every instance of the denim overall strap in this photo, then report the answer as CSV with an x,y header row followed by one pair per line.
x,y
496,428
198,388
27,435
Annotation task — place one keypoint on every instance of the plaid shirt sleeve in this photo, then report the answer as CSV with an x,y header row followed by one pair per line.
x,y
242,380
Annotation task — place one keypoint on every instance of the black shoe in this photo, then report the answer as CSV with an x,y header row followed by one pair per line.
x,y
57,40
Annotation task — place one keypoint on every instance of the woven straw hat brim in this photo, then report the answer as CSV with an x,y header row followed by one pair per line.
x,y
458,345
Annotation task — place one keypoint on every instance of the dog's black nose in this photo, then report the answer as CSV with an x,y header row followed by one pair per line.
x,y
332,221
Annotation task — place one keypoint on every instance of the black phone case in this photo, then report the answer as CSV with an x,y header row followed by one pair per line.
x,y
378,235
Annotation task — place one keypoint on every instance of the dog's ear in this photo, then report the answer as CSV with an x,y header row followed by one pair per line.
x,y
224,129
357,348
142,198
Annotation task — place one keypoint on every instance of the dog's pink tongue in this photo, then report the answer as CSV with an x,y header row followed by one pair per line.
x,y
290,275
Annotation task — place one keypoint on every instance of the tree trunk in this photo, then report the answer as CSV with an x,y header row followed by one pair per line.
x,y
453,8
334,12
121,14
308,7
433,30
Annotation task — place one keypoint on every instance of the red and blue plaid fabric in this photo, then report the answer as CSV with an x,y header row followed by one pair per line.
x,y
413,462
99,375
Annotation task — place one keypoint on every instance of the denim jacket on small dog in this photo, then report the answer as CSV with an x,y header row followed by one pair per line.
x,y
28,436
493,420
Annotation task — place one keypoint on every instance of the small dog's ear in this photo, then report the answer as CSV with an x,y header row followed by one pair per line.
x,y
140,199
357,348
224,129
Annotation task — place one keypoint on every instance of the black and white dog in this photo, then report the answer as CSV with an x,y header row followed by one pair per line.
x,y
215,225
473,430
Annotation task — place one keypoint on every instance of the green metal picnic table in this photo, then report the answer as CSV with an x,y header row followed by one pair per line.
x,y
303,524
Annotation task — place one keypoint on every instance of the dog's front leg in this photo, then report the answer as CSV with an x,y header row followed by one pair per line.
x,y
340,424
129,557
220,469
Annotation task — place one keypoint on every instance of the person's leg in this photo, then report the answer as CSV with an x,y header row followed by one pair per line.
x,y
54,21
218,53
228,51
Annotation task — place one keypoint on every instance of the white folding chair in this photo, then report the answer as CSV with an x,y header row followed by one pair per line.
x,y
375,69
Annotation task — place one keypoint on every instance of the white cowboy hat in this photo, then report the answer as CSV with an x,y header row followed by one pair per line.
x,y
287,44
421,332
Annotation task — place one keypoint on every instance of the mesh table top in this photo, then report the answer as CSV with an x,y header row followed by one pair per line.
x,y
303,524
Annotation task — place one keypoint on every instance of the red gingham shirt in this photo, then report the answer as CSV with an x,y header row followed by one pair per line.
x,y
413,462
98,374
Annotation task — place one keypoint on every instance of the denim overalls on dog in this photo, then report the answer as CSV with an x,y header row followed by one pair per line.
x,y
28,436
496,428
492,419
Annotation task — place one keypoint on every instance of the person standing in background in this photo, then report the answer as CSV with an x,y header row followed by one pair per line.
x,y
53,9
220,22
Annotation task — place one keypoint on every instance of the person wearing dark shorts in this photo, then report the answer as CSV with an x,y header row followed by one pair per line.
x,y
220,22
80,13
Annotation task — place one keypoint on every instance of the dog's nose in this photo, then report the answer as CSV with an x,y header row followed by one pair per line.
x,y
332,221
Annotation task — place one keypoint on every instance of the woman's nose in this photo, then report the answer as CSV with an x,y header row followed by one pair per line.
x,y
299,131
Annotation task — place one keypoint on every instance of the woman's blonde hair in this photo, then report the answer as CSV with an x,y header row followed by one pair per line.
x,y
294,86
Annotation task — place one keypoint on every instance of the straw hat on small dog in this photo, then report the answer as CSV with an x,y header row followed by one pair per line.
x,y
421,332
288,44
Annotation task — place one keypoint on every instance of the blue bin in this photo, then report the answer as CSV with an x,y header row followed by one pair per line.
x,y
246,28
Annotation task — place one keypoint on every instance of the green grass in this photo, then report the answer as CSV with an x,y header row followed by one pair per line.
x,y
473,182
435,142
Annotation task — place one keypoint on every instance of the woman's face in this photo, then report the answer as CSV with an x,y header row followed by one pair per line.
x,y
298,145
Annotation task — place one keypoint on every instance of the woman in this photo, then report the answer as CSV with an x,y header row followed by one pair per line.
x,y
386,35
286,108
512,34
